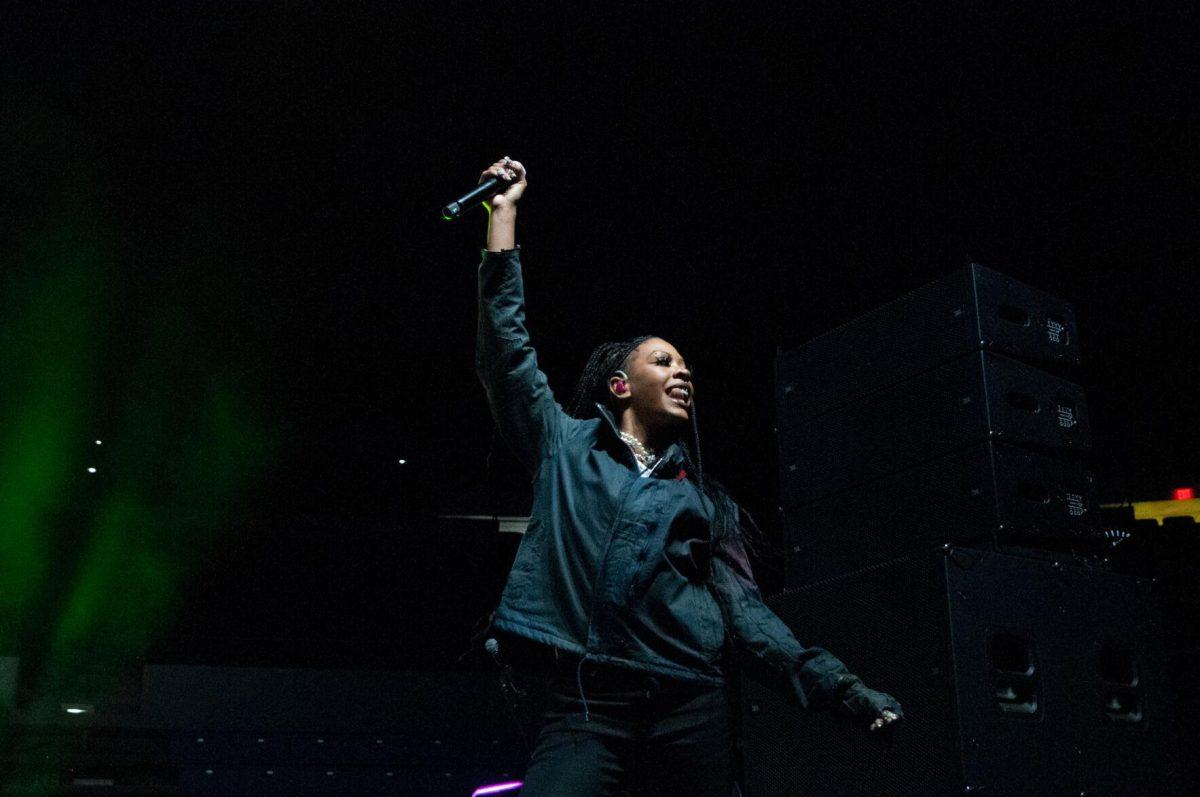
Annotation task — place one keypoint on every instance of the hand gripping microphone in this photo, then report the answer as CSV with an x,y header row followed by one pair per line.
x,y
472,198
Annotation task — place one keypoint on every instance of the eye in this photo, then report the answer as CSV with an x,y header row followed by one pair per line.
x,y
663,360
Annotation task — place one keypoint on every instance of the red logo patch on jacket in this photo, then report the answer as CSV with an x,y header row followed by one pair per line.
x,y
681,476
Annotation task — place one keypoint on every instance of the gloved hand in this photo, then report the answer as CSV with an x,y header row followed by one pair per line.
x,y
879,708
884,720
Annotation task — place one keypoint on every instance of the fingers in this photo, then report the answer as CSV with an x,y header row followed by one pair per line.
x,y
885,719
496,170
506,170
516,168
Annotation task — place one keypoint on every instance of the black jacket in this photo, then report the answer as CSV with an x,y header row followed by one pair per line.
x,y
618,568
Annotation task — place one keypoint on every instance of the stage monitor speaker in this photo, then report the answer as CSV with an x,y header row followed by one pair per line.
x,y
973,308
990,495
1017,676
978,397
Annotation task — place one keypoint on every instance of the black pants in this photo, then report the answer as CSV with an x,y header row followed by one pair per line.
x,y
639,734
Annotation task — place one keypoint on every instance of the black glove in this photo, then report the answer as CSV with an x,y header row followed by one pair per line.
x,y
879,708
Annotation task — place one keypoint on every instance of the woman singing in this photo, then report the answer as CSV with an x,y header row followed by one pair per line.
x,y
631,591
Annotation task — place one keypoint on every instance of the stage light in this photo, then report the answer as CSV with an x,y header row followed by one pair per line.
x,y
78,708
99,443
496,788
402,461
91,470
1184,494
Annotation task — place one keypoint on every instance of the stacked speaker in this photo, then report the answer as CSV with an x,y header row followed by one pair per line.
x,y
938,522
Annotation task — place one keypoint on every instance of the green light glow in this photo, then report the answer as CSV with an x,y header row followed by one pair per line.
x,y
161,517
47,354
93,566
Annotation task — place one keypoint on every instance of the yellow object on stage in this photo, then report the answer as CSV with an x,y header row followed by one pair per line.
x,y
1160,510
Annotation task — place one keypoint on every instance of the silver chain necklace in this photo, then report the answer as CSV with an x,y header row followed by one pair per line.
x,y
643,454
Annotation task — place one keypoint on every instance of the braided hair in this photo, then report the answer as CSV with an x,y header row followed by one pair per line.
x,y
592,388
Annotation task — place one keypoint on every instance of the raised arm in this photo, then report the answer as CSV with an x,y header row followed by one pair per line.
x,y
528,418
813,676
502,208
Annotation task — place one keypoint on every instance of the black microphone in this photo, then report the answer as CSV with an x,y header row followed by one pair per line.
x,y
508,687
469,200
492,646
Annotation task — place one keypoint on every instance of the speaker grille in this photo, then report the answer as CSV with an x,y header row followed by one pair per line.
x,y
1016,675
861,617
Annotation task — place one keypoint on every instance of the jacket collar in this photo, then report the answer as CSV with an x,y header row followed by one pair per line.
x,y
667,466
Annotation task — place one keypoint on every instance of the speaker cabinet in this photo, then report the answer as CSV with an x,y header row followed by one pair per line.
x,y
990,495
1017,676
973,308
978,397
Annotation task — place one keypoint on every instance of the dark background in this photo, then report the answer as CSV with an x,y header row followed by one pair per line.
x,y
733,177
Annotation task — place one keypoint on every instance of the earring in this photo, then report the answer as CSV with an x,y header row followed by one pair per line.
x,y
621,382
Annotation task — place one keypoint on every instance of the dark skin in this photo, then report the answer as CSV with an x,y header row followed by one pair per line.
x,y
645,400
655,402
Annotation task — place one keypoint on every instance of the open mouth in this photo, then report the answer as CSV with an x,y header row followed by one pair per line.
x,y
680,395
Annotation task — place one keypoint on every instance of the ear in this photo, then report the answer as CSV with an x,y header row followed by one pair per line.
x,y
618,385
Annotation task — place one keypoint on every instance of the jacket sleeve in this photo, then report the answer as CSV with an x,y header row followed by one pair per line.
x,y
522,405
765,645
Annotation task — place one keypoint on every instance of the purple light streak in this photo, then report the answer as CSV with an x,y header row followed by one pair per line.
x,y
496,788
